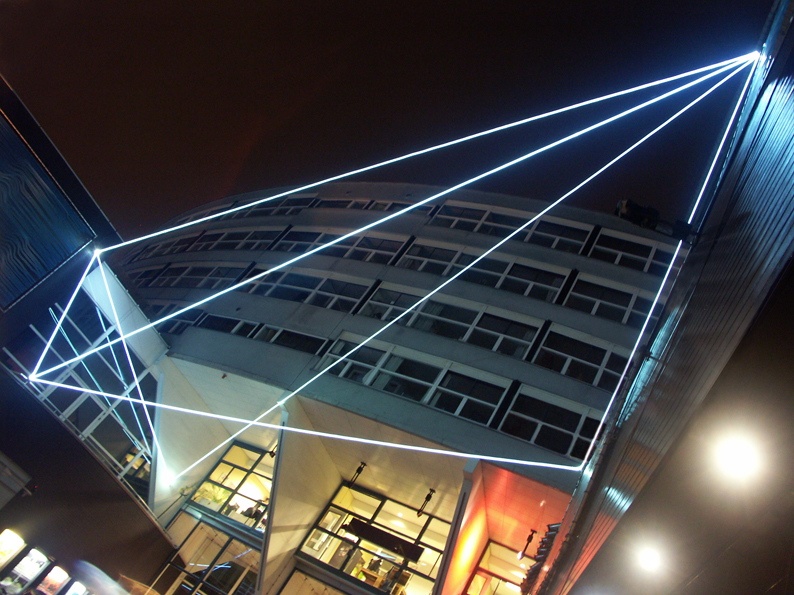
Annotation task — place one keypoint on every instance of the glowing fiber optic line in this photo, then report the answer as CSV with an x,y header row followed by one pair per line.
x,y
62,332
666,276
724,138
423,449
725,63
124,382
129,359
63,315
401,212
99,386
482,256
641,331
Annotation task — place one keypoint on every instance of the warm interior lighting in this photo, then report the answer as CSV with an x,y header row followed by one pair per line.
x,y
737,456
10,545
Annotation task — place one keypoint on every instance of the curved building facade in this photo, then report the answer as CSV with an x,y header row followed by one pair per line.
x,y
529,343
514,360
517,358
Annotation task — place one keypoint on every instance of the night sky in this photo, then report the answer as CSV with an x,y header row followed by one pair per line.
x,y
159,109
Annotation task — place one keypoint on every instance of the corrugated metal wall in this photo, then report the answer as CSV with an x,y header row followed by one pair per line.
x,y
747,239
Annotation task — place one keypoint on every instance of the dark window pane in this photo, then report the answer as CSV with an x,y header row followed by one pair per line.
x,y
608,381
550,360
616,363
400,386
412,368
447,402
519,427
553,439
218,323
575,348
289,293
589,427
579,303
482,339
579,449
299,341
581,371
301,280
475,411
439,327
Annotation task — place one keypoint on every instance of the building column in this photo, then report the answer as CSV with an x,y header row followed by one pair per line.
x,y
457,521
272,504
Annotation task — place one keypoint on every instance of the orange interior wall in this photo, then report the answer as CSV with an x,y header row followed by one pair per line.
x,y
472,539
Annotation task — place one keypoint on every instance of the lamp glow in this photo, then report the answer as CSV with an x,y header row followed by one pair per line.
x,y
649,559
737,456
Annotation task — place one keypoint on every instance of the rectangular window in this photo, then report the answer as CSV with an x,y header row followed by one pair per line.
x,y
333,294
455,392
650,257
626,307
239,486
303,241
367,249
374,564
532,417
262,332
585,361
558,236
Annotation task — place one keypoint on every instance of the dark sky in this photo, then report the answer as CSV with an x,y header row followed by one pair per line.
x,y
159,109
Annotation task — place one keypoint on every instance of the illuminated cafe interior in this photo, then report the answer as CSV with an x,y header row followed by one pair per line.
x,y
361,542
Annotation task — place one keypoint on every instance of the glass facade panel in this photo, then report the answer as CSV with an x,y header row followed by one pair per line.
x,y
239,487
331,542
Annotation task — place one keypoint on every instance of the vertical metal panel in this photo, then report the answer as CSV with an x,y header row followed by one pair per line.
x,y
747,240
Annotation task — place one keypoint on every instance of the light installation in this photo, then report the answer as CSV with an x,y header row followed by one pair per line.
x,y
731,67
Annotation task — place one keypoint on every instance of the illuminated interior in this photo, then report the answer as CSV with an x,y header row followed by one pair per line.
x,y
333,544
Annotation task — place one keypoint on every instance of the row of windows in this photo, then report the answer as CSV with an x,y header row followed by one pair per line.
x,y
568,237
453,391
583,360
366,248
626,307
608,246
333,294
244,328
477,327
188,277
292,205
466,393
543,232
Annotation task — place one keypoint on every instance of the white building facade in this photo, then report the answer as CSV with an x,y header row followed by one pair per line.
x,y
517,358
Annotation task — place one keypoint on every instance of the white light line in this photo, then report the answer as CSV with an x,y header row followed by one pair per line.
x,y
433,148
401,212
94,256
474,262
422,449
724,138
129,360
127,387
658,295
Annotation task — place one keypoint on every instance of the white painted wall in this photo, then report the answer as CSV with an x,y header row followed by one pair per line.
x,y
307,482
